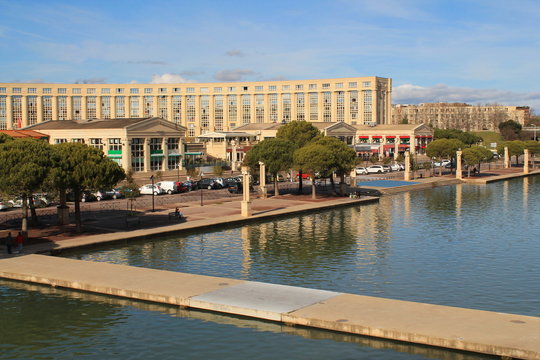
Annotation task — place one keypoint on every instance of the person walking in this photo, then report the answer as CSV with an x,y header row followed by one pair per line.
x,y
9,243
19,240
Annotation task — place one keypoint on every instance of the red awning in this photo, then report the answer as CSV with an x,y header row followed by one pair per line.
x,y
390,137
363,137
374,150
376,136
404,137
403,146
389,147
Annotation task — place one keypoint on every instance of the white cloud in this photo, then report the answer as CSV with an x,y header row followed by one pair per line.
x,y
233,75
169,78
414,94
97,80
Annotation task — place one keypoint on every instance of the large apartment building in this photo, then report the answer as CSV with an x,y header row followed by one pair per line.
x,y
203,107
459,115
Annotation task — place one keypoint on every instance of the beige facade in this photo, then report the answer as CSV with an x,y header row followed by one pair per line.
x,y
144,145
459,115
202,107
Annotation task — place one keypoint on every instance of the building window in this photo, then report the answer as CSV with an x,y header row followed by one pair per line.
x,y
217,89
313,106
259,88
148,105
105,107
2,90
120,107
190,108
191,130
105,91
231,89
16,90
135,107
62,108
300,107
60,141
156,154
233,108
76,108
176,90
272,88
163,108
32,90
137,154
119,90
366,84
312,86
245,88
218,112
76,91
47,108
205,113
89,91
339,85
246,109
259,108
31,109
353,85
162,90
177,109
204,90
47,90
273,111
97,143
326,86
368,115
173,149
3,113
78,140
133,91
353,105
340,106
62,90
190,90
327,106
147,90
286,102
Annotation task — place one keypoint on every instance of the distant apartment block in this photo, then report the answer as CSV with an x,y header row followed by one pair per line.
x,y
459,115
203,107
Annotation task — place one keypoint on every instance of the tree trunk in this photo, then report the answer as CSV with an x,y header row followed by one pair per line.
x,y
24,222
63,219
276,189
440,168
313,190
299,182
468,171
332,183
342,185
78,225
33,214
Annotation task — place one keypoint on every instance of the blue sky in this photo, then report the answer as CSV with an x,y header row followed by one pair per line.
x,y
434,50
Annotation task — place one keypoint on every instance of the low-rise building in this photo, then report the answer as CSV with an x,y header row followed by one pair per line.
x,y
142,144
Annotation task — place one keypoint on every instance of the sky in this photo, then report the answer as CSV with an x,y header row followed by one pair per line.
x,y
476,51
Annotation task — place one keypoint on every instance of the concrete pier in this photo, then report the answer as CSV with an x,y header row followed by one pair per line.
x,y
505,335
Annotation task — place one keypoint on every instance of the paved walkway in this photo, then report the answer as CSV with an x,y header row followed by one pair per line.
x,y
479,331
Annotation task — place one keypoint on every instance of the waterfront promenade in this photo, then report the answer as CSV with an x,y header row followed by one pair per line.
x,y
505,335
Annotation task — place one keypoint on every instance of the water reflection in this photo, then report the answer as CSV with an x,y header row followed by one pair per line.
x,y
98,310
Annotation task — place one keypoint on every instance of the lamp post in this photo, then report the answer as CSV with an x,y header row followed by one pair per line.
x,y
153,192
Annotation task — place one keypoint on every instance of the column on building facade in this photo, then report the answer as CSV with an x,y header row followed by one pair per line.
x,y
211,116
279,107
320,106
9,113
127,106
333,106
347,116
262,177
183,111
146,154
113,106
374,105
506,158
389,103
98,107
307,110
39,109
165,159
197,121
155,107
24,111
170,112
84,99
126,154
266,107
294,104
253,108
54,106
69,108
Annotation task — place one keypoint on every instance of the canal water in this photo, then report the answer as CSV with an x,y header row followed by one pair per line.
x,y
467,246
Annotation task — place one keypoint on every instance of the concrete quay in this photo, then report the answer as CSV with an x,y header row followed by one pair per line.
x,y
504,335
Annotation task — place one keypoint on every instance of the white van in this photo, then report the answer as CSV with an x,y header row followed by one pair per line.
x,y
168,186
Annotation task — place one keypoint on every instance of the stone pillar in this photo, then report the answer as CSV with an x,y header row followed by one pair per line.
x,y
246,204
98,107
126,154
407,175
459,174
333,106
320,106
84,105
69,107
170,114
506,158
165,159
39,109
526,161
127,107
24,111
262,175
112,106
54,106
9,113
280,107
155,106
381,150
396,148
146,154
233,156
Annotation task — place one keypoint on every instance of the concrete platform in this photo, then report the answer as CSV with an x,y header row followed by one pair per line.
x,y
505,335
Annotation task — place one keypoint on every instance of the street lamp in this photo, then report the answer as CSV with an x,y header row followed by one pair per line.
x,y
153,190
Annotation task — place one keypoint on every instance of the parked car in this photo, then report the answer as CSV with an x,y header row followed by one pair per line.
x,y
238,188
443,163
209,183
395,167
86,196
375,169
18,202
119,193
181,188
231,181
4,205
168,186
190,185
149,190
304,176
387,168
103,194
361,171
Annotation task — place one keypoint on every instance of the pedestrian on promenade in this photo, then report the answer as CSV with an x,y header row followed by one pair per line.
x,y
177,213
19,240
9,243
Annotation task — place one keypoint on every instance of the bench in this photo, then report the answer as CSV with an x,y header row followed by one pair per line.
x,y
132,220
172,215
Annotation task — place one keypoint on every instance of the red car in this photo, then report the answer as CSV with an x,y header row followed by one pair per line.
x,y
304,176
181,188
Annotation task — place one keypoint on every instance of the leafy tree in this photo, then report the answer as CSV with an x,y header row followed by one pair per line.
x,y
5,138
218,170
313,158
80,167
405,120
534,148
24,166
342,161
510,130
276,154
471,157
465,137
299,133
443,148
515,148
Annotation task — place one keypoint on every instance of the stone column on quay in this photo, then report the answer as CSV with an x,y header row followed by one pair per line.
x,y
526,161
246,203
459,173
126,154
407,175
506,158
146,154
262,175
